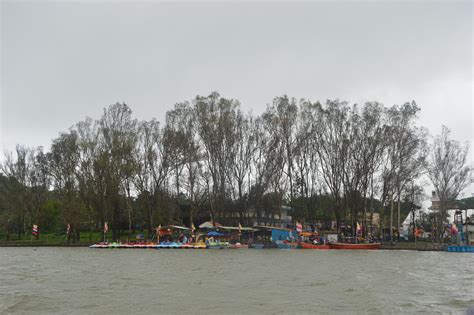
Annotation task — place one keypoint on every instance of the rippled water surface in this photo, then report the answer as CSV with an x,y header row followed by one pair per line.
x,y
98,281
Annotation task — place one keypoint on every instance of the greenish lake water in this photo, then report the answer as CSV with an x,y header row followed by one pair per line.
x,y
245,281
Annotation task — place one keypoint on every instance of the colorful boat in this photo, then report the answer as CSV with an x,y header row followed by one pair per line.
x,y
199,245
100,245
354,246
239,246
169,245
313,246
460,248
286,244
217,245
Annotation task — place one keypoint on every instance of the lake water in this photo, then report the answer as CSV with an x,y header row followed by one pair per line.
x,y
245,281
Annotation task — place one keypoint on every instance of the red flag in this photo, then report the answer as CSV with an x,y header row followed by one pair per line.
x,y
454,229
35,229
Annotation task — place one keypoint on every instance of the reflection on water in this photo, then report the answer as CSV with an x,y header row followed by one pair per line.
x,y
82,280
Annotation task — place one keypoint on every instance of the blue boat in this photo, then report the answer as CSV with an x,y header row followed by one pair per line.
x,y
459,248
286,244
169,245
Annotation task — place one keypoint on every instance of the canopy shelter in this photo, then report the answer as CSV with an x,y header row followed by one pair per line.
x,y
308,234
169,229
270,228
177,227
214,233
236,228
209,225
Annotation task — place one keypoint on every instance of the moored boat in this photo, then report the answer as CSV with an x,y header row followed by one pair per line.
x,y
460,248
286,244
257,246
313,246
100,245
169,245
355,246
199,245
239,246
217,245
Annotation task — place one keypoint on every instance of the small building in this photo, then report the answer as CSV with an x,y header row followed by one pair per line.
x,y
282,218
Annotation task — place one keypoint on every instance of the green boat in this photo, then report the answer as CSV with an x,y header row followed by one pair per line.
x,y
217,245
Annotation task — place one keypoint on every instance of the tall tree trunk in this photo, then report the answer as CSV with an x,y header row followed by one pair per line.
x,y
115,230
398,212
391,220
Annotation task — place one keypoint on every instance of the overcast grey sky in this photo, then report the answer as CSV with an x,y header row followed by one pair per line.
x,y
62,61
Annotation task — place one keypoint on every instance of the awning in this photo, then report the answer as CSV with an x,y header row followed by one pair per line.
x,y
214,233
175,227
209,225
236,228
308,233
271,228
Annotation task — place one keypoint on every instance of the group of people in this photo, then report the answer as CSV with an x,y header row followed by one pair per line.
x,y
181,238
317,240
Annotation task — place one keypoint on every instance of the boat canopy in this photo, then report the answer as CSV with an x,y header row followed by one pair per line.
x,y
177,227
236,228
305,233
214,233
268,227
209,225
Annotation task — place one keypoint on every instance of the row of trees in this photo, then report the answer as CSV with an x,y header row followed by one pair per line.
x,y
328,161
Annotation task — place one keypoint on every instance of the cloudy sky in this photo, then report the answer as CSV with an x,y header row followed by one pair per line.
x,y
64,60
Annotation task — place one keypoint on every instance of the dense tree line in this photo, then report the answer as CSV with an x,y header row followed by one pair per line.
x,y
328,161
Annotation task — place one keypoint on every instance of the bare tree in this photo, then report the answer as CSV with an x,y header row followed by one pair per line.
x,y
117,130
63,163
332,149
449,173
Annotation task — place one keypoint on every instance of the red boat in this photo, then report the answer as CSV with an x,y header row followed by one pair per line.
x,y
312,246
355,246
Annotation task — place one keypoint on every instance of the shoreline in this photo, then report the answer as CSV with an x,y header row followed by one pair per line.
x,y
387,246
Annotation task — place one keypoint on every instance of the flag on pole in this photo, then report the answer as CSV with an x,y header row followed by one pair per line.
x,y
454,229
418,232
240,228
106,227
68,228
35,230
299,227
193,228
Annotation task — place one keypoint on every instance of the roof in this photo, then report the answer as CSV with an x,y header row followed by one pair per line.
x,y
175,227
306,233
271,227
209,225
236,228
